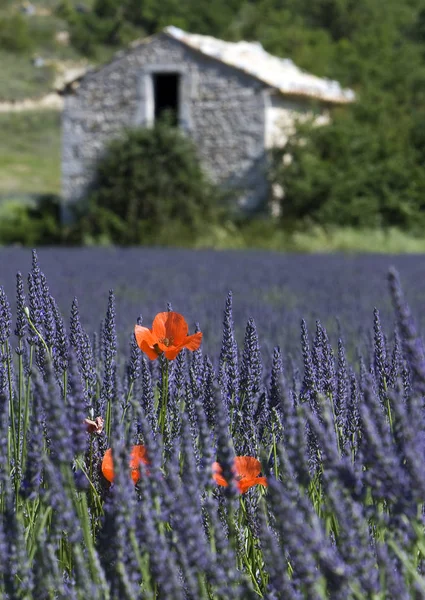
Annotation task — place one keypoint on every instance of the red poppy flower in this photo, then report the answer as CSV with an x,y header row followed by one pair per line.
x,y
138,455
168,335
247,470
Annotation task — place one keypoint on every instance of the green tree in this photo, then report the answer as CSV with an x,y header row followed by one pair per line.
x,y
351,173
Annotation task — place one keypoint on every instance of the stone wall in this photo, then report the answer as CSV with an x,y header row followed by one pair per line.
x,y
223,110
283,114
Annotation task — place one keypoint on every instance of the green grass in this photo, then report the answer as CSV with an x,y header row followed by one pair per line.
x,y
263,234
349,239
19,79
30,153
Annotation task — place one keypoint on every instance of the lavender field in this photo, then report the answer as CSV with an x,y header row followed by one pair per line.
x,y
275,452
276,290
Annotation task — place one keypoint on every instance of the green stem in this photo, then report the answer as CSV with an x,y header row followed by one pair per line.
x,y
251,558
34,328
26,408
405,559
336,428
108,419
126,406
12,442
20,393
164,397
81,506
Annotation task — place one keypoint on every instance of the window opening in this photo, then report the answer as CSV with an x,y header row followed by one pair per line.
x,y
166,96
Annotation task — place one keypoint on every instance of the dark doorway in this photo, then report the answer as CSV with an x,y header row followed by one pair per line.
x,y
166,96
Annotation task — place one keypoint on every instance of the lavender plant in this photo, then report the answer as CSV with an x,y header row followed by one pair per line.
x,y
158,470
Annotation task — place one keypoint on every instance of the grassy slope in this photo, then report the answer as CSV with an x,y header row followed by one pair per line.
x,y
30,141
30,153
19,78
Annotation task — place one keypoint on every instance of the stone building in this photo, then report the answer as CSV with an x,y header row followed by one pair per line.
x,y
234,99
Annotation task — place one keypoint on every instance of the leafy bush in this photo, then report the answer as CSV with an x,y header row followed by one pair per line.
x,y
354,172
30,223
146,181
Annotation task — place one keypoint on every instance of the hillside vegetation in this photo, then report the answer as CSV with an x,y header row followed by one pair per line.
x,y
365,169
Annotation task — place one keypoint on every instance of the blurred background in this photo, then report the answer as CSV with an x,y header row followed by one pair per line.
x,y
356,183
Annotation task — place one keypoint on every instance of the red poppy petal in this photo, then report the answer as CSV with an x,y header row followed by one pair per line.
x,y
139,454
144,335
163,347
192,342
247,466
108,466
176,328
217,475
245,484
135,475
219,479
150,352
172,352
158,325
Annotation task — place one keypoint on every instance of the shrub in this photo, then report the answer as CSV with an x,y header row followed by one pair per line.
x,y
145,181
350,173
34,223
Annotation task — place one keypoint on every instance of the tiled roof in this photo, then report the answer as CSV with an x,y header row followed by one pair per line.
x,y
279,73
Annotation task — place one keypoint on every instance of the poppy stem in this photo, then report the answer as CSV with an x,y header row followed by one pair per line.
x,y
162,420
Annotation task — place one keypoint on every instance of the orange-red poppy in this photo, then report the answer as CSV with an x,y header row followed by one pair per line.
x,y
169,335
246,469
138,455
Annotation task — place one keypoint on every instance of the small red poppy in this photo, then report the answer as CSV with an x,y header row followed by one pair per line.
x,y
247,470
169,335
138,455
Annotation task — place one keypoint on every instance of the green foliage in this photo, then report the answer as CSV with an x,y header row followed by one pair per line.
x,y
30,224
104,25
352,173
148,179
15,34
365,168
